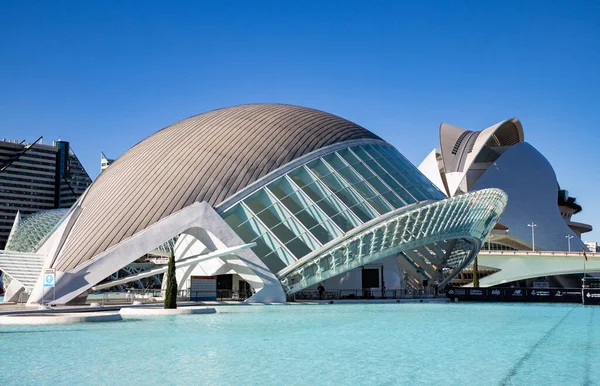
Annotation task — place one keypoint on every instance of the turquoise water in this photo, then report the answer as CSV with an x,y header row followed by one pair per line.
x,y
385,344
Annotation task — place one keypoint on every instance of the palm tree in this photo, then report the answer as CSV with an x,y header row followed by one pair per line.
x,y
171,290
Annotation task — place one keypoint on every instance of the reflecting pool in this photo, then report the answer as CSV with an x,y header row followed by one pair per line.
x,y
362,344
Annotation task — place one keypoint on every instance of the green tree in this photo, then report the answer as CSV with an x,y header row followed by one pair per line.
x,y
475,273
171,290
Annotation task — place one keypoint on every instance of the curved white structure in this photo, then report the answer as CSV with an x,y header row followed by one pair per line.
x,y
529,180
270,193
522,265
498,157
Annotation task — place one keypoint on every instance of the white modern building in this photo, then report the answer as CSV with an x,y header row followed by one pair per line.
x,y
282,197
538,213
105,161
592,246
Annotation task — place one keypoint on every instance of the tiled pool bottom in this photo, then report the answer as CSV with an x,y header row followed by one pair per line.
x,y
362,344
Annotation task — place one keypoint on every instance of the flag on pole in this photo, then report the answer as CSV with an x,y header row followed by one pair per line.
x,y
584,254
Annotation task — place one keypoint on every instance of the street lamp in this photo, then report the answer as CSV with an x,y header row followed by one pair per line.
x,y
532,225
569,237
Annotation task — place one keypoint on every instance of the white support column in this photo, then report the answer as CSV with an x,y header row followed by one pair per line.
x,y
69,285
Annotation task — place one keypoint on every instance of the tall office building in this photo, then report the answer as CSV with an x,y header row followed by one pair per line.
x,y
36,177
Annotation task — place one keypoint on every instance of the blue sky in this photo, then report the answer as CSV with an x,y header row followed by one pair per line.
x,y
105,74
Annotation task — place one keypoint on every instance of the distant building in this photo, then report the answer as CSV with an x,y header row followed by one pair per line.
x,y
104,161
499,157
36,177
592,246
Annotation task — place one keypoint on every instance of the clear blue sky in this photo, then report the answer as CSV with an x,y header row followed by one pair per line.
x,y
105,74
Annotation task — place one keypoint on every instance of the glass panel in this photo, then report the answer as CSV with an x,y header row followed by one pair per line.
x,y
378,184
258,202
401,178
301,232
363,171
373,152
362,211
325,232
372,198
361,152
296,203
348,156
236,216
342,221
416,193
301,177
263,233
273,262
285,227
349,197
298,247
261,249
283,233
334,160
327,203
393,199
319,168
350,177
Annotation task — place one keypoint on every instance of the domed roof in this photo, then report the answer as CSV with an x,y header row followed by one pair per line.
x,y
207,157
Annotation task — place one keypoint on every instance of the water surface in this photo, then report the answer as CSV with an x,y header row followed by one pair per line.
x,y
378,344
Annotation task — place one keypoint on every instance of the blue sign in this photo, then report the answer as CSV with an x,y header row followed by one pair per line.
x,y
49,277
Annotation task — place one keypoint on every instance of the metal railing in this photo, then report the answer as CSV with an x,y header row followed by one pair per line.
x,y
539,253
156,295
150,295
350,294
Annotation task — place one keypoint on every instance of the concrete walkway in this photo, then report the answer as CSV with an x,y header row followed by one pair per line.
x,y
12,309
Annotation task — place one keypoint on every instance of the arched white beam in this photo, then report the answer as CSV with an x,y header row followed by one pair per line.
x,y
196,241
460,148
469,216
431,168
522,265
71,284
193,260
13,292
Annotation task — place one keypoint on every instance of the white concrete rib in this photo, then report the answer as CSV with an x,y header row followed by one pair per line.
x,y
22,267
178,264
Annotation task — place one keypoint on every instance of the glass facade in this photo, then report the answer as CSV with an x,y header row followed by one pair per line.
x,y
432,241
34,229
325,198
37,177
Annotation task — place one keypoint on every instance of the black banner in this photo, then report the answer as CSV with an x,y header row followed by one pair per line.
x,y
591,296
551,295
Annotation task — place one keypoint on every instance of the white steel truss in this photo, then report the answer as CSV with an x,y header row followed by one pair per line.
x,y
467,218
